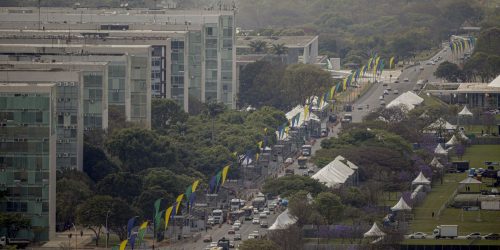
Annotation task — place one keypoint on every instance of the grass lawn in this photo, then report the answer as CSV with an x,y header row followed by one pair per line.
x,y
470,221
478,154
431,100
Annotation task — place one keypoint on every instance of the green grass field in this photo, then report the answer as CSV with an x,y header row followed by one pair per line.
x,y
451,242
478,154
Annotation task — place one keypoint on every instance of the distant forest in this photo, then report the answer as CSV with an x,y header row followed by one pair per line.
x,y
349,29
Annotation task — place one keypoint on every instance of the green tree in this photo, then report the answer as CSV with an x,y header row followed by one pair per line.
x,y
14,222
258,46
212,110
166,113
96,164
302,81
258,244
122,184
287,186
144,202
140,149
449,71
330,207
92,214
300,206
70,194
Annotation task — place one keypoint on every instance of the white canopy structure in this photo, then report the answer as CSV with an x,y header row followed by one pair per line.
x,y
407,99
452,141
434,161
374,231
283,221
336,172
439,124
440,150
465,112
495,83
462,135
470,180
401,206
421,180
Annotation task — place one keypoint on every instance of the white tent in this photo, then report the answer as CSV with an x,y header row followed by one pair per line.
x,y
349,164
495,82
452,141
283,221
401,205
465,112
434,161
374,231
334,173
440,150
470,180
420,180
462,135
438,125
407,99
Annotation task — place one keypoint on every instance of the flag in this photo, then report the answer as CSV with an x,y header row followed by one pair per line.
x,y
212,183
257,156
260,144
376,65
130,225
192,198
188,192
123,244
321,102
365,68
226,169
381,65
332,92
168,213
195,185
142,231
218,178
115,248
132,240
344,84
391,62
369,63
157,206
356,75
157,219
178,201
293,122
306,109
265,130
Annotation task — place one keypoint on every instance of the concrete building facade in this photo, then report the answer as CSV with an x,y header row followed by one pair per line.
x,y
28,156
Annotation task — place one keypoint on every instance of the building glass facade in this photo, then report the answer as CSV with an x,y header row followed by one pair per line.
x,y
177,71
67,96
227,60
211,62
26,157
93,85
195,66
139,89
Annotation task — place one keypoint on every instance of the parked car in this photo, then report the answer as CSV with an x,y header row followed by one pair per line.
x,y
266,210
263,215
255,221
382,103
384,84
417,235
492,236
264,224
207,238
305,173
396,92
253,236
237,237
231,231
474,235
406,79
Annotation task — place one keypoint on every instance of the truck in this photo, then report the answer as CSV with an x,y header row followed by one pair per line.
x,y
236,204
302,161
218,216
306,150
259,202
20,243
445,231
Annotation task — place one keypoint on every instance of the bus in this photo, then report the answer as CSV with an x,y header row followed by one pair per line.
x,y
248,212
236,204
306,150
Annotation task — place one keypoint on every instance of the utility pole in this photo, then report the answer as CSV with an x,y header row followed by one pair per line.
x,y
39,15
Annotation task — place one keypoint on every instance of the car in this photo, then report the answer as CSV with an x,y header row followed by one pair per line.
x,y
384,84
396,92
231,244
213,244
255,221
237,237
360,107
493,112
231,231
396,81
406,79
255,211
264,224
388,88
382,103
253,236
207,238
474,235
428,62
237,223
433,63
421,67
492,236
289,160
386,92
235,228
417,235
310,171
263,215
305,173
381,97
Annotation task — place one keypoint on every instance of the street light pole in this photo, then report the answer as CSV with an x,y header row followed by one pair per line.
x,y
107,230
76,236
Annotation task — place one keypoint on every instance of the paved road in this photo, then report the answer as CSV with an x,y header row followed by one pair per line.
x,y
424,71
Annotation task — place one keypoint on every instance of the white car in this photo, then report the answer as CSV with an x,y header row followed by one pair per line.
x,y
417,235
263,215
237,223
396,92
213,244
255,211
406,79
266,210
381,97
253,236
255,221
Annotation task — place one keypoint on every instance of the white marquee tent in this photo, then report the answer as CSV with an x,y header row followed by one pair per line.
x,y
420,180
495,83
335,173
283,221
465,112
452,141
470,180
440,150
440,124
408,99
374,231
401,206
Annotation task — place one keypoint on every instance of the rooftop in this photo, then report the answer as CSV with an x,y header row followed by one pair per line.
x,y
289,41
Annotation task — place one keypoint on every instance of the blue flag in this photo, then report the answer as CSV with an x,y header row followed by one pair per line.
x,y
130,225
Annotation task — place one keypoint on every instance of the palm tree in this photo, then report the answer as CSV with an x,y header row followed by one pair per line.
x,y
258,46
279,49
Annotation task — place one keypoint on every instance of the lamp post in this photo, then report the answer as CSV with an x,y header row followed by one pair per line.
x,y
107,230
76,236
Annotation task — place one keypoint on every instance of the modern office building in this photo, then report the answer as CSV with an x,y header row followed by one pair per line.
x,y
193,52
123,80
69,91
28,156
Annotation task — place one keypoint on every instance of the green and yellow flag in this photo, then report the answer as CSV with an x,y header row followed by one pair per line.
x,y
167,216
226,169
391,62
142,231
195,185
123,244
178,202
